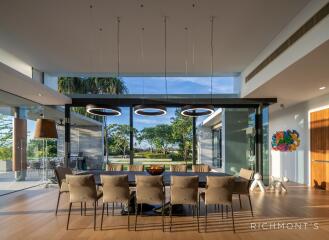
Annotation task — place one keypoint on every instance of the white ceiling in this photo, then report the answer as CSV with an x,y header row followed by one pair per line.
x,y
63,36
300,81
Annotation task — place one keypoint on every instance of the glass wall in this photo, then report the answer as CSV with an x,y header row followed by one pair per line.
x,y
266,150
239,139
24,161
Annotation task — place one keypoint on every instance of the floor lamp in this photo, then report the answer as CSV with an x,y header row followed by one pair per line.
x,y
45,129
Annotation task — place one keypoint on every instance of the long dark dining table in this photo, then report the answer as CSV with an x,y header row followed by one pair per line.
x,y
166,175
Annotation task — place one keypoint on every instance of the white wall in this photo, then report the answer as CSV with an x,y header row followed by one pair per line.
x,y
294,165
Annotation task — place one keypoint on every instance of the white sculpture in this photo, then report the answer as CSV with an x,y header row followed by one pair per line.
x,y
277,184
257,182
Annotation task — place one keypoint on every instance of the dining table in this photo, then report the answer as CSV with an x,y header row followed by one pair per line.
x,y
166,176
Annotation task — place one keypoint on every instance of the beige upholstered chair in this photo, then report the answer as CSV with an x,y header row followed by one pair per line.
x,y
242,185
136,168
114,167
82,188
149,190
115,190
178,168
184,190
218,191
200,168
60,173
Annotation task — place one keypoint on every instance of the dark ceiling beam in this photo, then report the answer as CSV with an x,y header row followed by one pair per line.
x,y
172,100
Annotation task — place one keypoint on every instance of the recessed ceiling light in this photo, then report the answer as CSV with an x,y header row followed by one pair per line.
x,y
322,88
39,94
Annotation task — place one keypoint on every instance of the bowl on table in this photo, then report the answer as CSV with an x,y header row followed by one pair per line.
x,y
155,170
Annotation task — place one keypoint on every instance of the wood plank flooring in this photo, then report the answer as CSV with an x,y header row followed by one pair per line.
x,y
30,215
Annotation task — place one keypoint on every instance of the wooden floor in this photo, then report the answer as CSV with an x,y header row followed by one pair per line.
x,y
30,215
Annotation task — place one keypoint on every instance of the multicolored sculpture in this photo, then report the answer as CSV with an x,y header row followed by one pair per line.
x,y
285,141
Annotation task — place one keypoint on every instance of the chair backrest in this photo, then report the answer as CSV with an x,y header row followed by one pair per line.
x,y
200,168
60,173
149,189
114,167
184,189
115,188
219,190
178,168
246,174
82,188
136,168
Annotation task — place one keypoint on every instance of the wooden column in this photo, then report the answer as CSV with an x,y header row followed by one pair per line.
x,y
19,147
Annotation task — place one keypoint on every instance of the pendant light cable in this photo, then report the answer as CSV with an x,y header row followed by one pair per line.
x,y
165,54
212,56
118,47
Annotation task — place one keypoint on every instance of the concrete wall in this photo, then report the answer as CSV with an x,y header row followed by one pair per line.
x,y
85,139
294,165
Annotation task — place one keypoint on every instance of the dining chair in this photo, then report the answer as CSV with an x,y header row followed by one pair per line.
x,y
178,168
60,173
218,191
115,190
82,189
136,168
184,190
200,168
114,167
149,190
241,187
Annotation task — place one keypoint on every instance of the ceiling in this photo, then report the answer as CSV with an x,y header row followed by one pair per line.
x,y
33,110
68,37
300,81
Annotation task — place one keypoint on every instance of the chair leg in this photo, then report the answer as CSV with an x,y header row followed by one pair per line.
x,y
128,216
81,208
197,217
206,213
136,214
222,211
240,201
193,211
68,217
170,214
107,208
85,209
59,197
162,217
102,216
226,211
233,218
95,206
252,213
141,209
113,209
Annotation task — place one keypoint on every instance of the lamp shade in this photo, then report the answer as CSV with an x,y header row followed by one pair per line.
x,y
45,128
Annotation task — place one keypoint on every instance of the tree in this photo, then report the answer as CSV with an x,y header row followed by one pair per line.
x,y
182,133
6,137
118,138
159,137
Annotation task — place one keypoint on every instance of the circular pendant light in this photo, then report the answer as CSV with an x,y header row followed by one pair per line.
x,y
103,111
153,110
197,110
148,110
202,110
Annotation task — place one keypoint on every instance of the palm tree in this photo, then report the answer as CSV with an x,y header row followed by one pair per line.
x,y
91,85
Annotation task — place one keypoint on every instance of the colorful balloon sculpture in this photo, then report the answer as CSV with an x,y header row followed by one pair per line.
x,y
285,141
